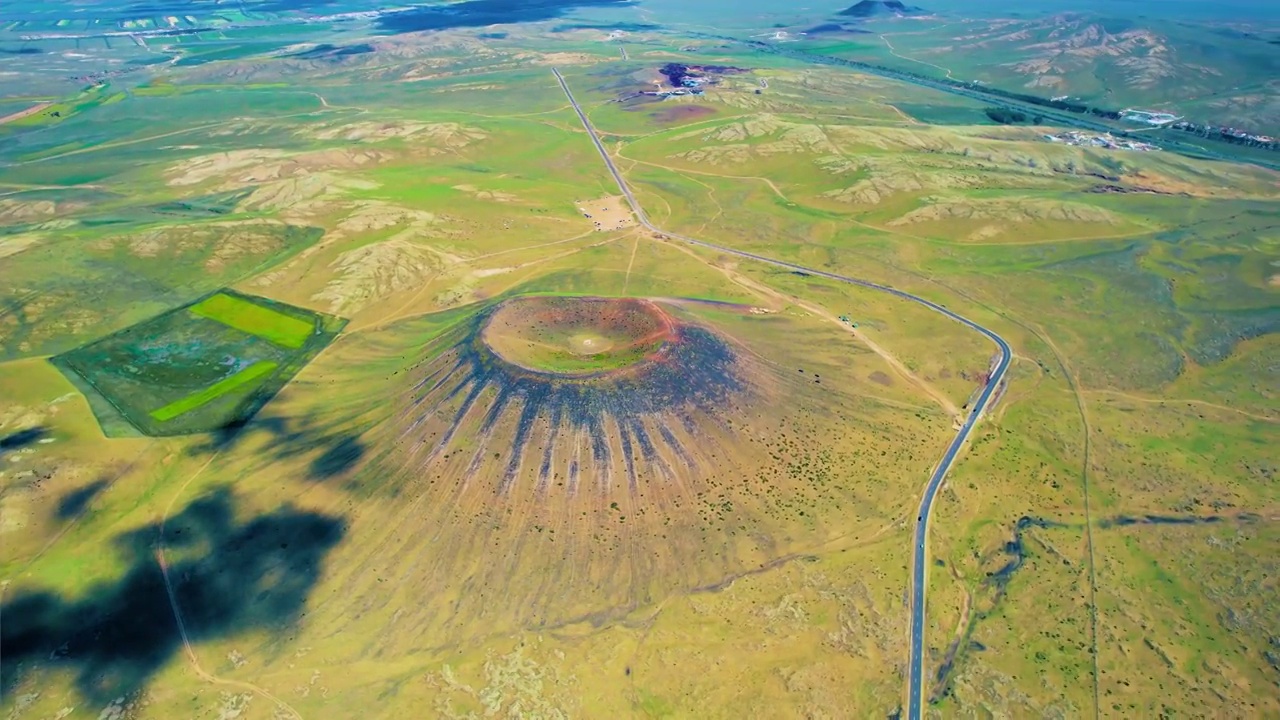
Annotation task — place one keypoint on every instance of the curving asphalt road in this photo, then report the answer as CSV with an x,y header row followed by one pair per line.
x,y
915,707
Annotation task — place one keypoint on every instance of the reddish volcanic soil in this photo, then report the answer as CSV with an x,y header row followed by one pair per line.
x,y
537,333
680,113
640,319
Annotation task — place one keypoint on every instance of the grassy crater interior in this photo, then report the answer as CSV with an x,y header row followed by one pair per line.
x,y
577,336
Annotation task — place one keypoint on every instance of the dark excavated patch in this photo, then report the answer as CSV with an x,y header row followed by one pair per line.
x,y
679,113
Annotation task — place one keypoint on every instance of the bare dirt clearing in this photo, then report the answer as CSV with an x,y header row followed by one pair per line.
x,y
607,213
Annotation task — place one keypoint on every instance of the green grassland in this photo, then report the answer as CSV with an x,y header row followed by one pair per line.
x,y
213,392
1123,316
1110,526
256,320
71,285
95,96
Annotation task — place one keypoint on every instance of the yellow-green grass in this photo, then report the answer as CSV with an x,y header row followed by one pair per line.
x,y
255,319
822,634
87,99
214,391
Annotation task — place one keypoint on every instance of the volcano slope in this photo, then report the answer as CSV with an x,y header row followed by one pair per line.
x,y
590,368
538,461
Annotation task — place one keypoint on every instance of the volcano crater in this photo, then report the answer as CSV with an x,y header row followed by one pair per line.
x,y
587,389
578,337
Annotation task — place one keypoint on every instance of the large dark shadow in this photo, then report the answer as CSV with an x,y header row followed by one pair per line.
x,y
343,453
74,502
23,438
333,448
325,51
482,13
229,577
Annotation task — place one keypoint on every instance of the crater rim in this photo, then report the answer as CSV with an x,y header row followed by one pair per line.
x,y
577,337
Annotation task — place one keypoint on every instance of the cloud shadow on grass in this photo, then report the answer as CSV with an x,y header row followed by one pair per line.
x,y
344,453
74,502
229,577
23,438
483,13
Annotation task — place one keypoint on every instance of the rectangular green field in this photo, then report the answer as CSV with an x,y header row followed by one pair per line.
x,y
213,392
255,319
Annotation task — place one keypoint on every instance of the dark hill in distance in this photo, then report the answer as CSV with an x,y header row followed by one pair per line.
x,y
482,13
828,28
876,8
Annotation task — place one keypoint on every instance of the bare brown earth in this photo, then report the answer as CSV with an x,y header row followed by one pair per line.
x,y
607,213
881,378
24,113
673,114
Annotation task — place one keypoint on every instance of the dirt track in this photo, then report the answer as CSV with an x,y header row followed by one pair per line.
x,y
24,113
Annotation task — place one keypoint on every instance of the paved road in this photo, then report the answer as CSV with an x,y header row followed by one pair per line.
x,y
919,539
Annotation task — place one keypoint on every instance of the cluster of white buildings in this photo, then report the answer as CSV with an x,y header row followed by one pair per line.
x,y
1148,117
1075,137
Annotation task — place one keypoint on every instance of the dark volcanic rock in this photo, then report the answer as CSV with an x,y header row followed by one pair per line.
x,y
692,75
875,8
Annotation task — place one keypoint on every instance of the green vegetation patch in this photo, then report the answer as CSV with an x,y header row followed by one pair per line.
x,y
1009,116
89,98
200,367
214,391
250,317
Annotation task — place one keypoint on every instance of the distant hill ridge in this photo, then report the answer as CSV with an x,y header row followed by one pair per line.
x,y
872,8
